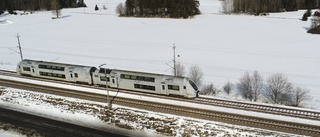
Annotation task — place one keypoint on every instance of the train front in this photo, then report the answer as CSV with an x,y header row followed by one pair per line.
x,y
19,66
192,89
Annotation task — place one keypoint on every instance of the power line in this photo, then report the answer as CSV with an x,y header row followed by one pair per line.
x,y
90,56
18,36
163,44
164,62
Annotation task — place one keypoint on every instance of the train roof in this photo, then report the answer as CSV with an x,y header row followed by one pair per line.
x,y
47,62
146,73
126,71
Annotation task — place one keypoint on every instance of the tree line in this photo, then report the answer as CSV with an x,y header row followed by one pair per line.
x,y
258,7
36,5
275,89
161,8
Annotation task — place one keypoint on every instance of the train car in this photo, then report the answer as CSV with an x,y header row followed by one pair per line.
x,y
115,78
147,82
56,71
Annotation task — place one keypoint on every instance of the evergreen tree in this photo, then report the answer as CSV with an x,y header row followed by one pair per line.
x,y
34,5
96,8
56,8
162,8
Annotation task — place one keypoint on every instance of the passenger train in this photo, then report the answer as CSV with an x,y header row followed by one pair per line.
x,y
114,78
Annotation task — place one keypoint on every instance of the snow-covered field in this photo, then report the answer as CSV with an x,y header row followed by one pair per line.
x,y
128,121
223,46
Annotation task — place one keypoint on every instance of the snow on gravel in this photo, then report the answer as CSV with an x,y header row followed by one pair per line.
x,y
125,120
165,101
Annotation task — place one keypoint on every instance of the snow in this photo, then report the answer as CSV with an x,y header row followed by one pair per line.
x,y
223,46
4,133
166,101
135,122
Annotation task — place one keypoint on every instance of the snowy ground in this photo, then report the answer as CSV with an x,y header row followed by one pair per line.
x,y
130,121
223,46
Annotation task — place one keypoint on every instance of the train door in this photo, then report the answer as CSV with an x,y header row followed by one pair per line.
x,y
33,73
72,78
163,88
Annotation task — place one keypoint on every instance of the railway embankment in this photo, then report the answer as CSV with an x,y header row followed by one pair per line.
x,y
127,119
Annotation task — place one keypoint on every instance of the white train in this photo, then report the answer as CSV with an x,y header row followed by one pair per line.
x,y
123,79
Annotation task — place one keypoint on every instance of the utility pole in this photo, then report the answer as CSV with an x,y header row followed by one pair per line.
x,y
174,60
18,36
105,73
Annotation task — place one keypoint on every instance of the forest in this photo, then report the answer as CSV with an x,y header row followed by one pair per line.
x,y
36,5
266,6
162,8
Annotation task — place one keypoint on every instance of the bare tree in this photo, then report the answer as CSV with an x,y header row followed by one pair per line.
x,y
121,10
250,86
228,87
278,89
180,71
315,21
209,89
257,84
244,87
55,8
195,74
299,95
227,6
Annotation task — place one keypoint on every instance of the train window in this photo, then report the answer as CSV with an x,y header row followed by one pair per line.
x,y
134,77
173,87
26,69
147,79
141,78
163,87
113,81
76,75
51,67
146,87
194,86
52,74
71,76
127,76
102,78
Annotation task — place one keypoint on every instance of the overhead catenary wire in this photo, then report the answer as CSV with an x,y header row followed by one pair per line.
x,y
112,43
158,45
190,64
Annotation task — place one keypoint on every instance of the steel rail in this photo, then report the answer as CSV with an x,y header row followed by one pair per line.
x,y
277,110
231,118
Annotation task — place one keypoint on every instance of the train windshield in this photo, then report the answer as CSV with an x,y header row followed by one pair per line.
x,y
194,86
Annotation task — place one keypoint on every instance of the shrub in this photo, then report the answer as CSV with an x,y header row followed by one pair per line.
x,y
305,16
315,30
317,13
96,8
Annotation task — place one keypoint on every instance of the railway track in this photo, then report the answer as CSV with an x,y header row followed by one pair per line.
x,y
49,127
258,122
277,110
